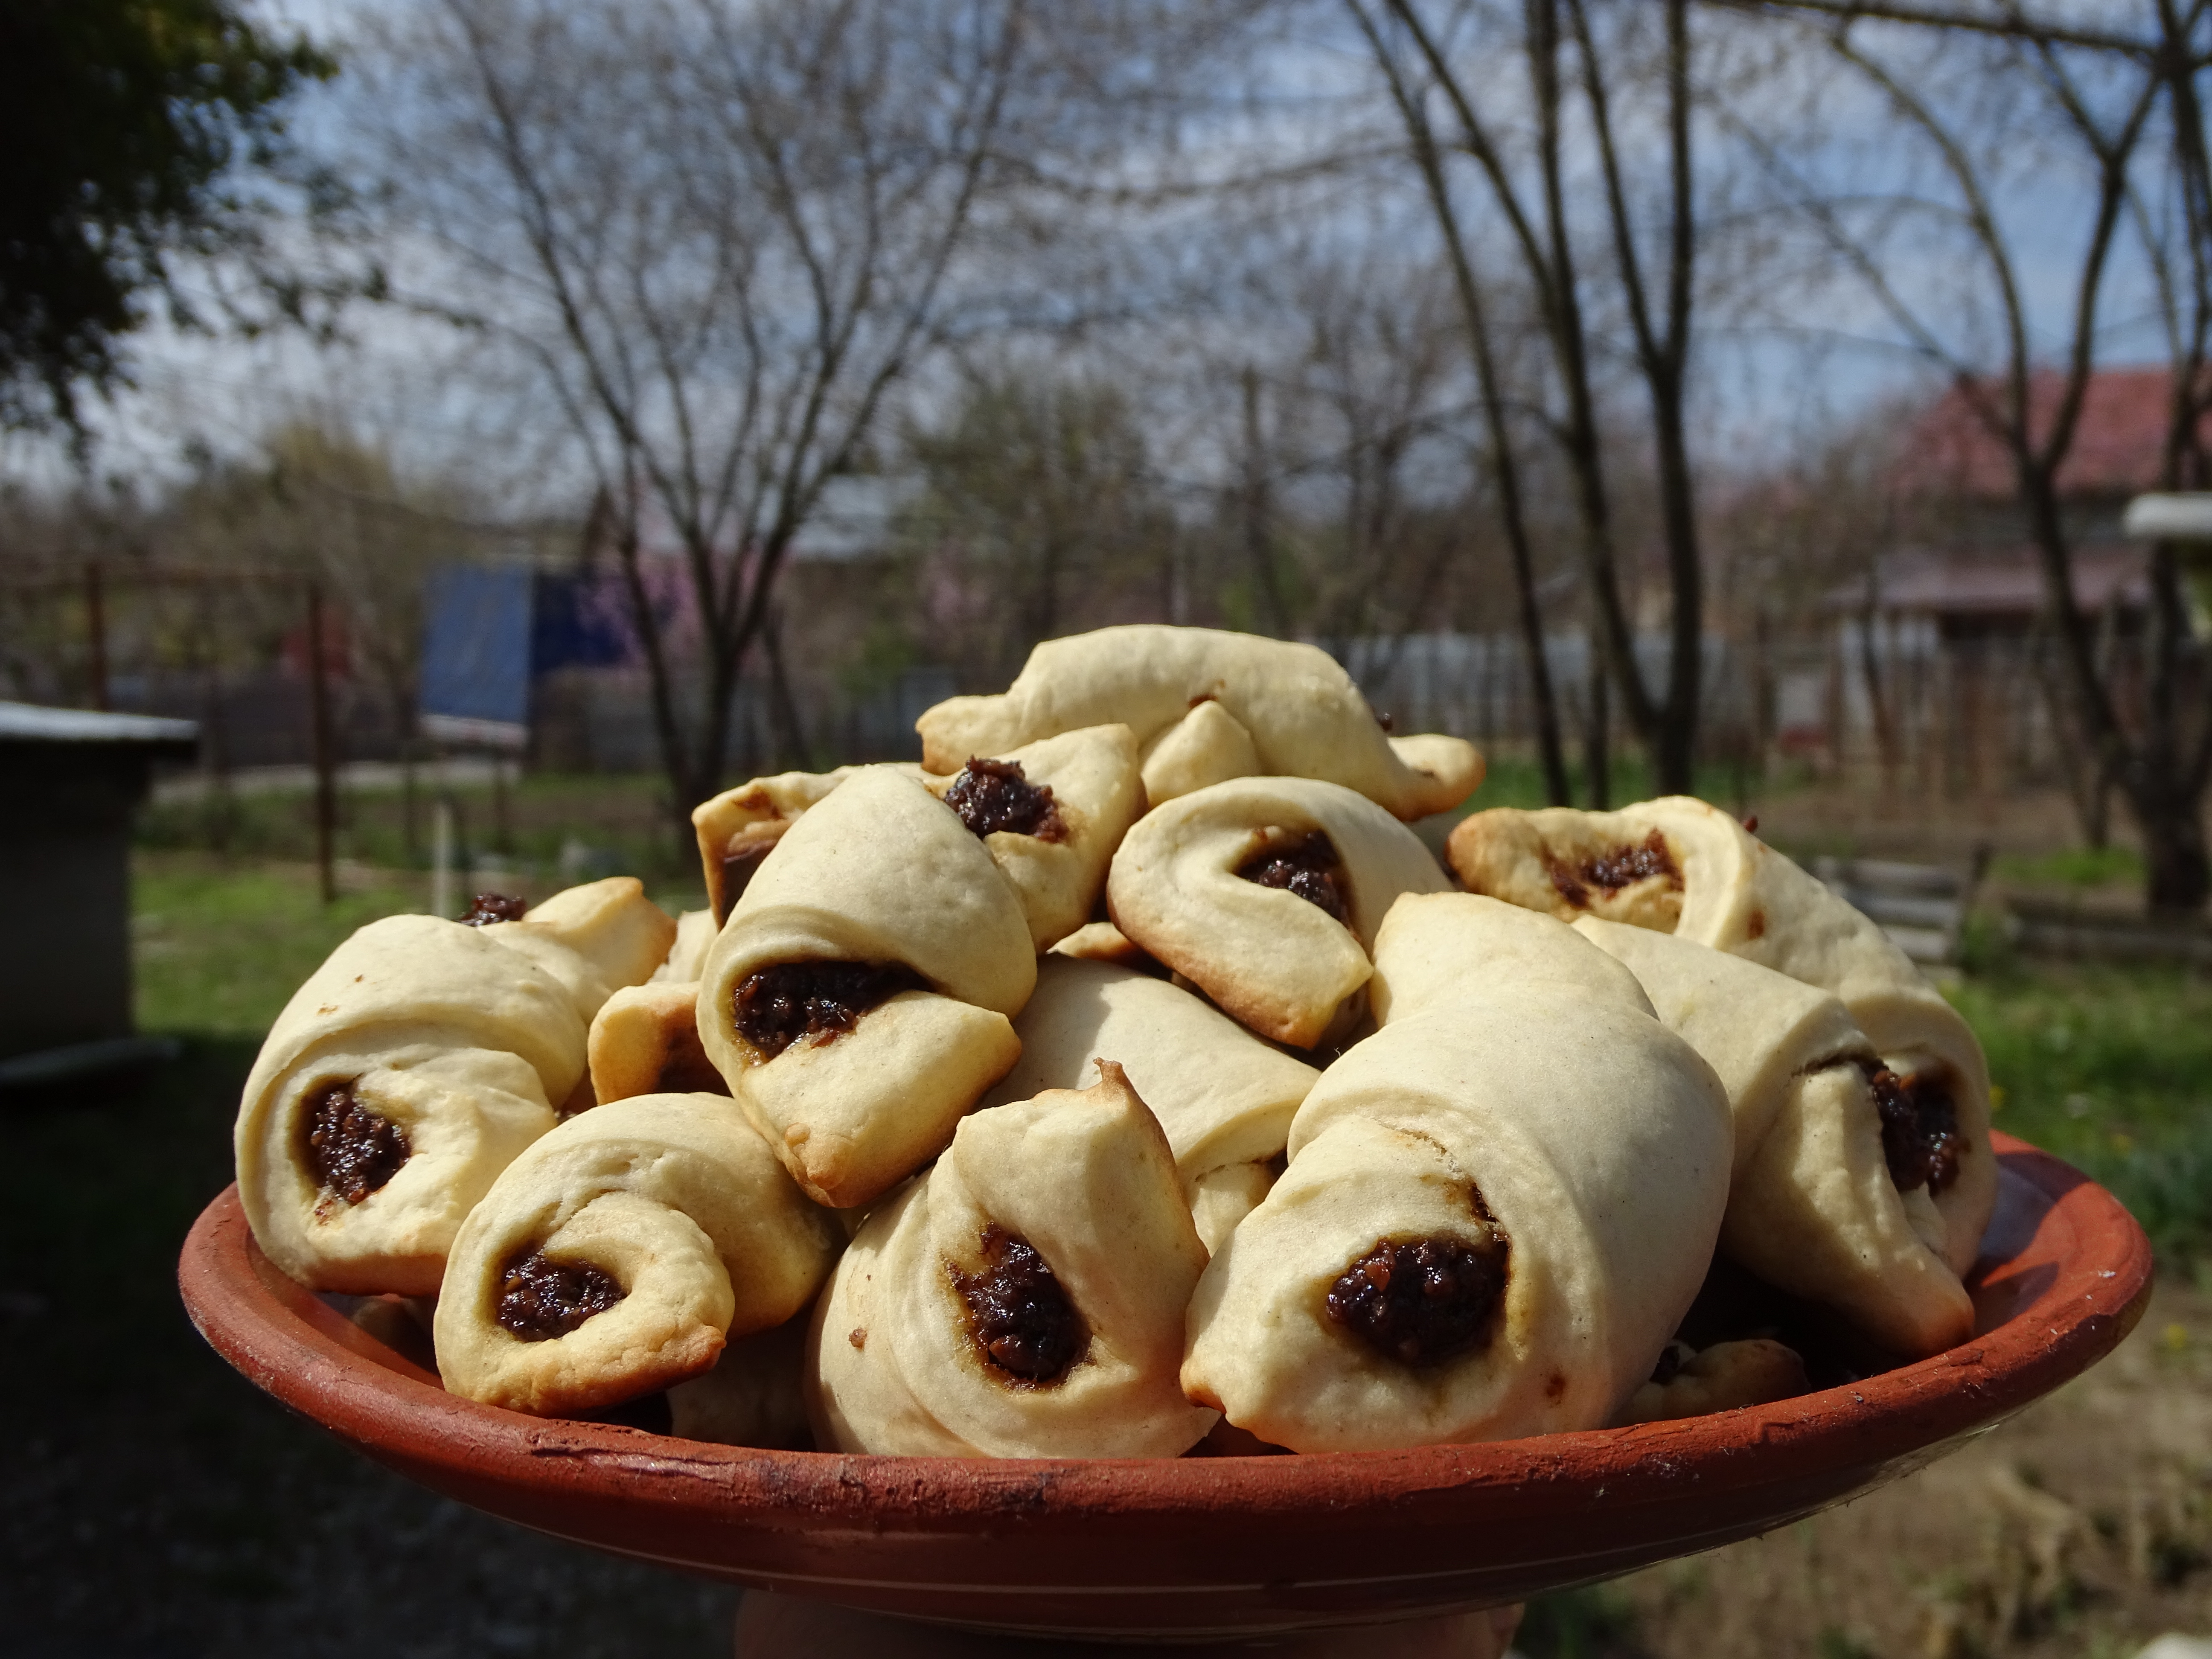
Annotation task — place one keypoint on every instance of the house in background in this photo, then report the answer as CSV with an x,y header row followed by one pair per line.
x,y
1943,665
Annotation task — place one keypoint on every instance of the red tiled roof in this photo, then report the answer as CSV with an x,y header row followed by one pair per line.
x,y
2117,440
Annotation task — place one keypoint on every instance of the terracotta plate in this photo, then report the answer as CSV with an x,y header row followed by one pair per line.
x,y
1217,1546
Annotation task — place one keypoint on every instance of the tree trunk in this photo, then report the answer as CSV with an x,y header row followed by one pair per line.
x,y
1258,511
1675,753
791,745
1597,736
2178,873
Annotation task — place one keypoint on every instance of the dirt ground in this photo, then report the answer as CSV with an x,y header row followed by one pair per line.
x,y
2082,1527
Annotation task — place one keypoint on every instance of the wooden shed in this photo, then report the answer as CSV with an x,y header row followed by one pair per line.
x,y
69,780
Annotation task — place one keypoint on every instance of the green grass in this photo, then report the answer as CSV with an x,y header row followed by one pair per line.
x,y
607,823
2111,1068
151,1500
217,948
2076,867
1514,780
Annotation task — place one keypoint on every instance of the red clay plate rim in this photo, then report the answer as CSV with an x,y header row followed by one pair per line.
x,y
291,1345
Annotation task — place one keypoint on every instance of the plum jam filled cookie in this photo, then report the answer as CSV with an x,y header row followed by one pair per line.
x,y
1497,1207
860,998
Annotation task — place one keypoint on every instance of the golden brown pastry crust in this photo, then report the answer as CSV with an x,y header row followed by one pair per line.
x,y
1278,963
1092,775
879,872
676,1198
1720,1378
1731,891
1224,1098
1302,713
459,1043
1547,1106
1086,1181
645,1041
743,823
1812,1205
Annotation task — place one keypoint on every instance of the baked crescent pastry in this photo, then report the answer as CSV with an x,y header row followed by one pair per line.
x,y
619,1255
695,935
754,1396
645,1041
1265,893
1303,714
1678,865
737,828
1205,746
1815,1206
860,998
1223,1098
401,1078
1102,941
1051,813
1691,1382
1497,1207
1022,1299
594,939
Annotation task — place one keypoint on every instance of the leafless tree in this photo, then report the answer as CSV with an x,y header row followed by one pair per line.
x,y
2125,108
1440,63
1503,459
721,232
1040,515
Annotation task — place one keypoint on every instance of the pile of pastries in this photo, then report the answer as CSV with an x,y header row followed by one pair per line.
x,y
1128,1079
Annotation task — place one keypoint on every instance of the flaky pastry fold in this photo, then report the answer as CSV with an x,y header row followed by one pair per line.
x,y
1058,867
1303,715
1812,1205
412,1066
620,1253
1678,865
1025,1298
1265,893
1497,1209
1223,1098
877,957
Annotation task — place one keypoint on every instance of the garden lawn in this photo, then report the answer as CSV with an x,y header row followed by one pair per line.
x,y
2111,1068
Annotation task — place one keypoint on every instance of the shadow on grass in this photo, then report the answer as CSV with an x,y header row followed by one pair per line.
x,y
1597,1622
153,1502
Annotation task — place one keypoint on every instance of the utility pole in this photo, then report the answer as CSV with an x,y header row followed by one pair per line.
x,y
319,716
95,615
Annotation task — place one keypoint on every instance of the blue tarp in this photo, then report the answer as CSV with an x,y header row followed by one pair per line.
x,y
490,630
578,622
476,643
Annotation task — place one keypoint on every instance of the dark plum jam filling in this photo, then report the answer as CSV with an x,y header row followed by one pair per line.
x,y
1920,1138
1309,868
1609,872
488,907
779,1005
993,796
352,1150
540,1299
1422,1301
1018,1315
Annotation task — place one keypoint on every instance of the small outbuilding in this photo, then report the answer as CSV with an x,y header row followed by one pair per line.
x,y
69,780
